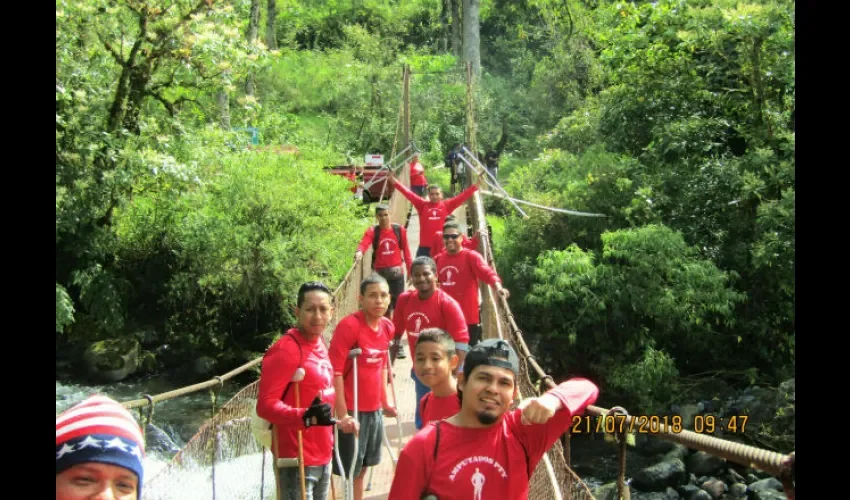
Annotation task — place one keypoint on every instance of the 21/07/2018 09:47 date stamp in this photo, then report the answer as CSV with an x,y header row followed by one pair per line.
x,y
655,424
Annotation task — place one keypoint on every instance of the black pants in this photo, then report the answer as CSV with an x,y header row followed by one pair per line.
x,y
474,334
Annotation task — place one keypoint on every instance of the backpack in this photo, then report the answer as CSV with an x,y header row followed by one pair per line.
x,y
375,242
262,428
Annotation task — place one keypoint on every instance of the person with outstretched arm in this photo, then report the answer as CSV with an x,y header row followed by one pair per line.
x,y
487,450
433,211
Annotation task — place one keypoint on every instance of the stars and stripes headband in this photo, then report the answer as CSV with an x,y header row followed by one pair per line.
x,y
99,430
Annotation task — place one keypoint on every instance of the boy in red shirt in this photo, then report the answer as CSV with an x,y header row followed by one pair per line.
x,y
428,307
433,211
368,330
435,362
486,451
302,347
458,270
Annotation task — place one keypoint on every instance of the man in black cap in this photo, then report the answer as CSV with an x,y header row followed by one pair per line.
x,y
487,450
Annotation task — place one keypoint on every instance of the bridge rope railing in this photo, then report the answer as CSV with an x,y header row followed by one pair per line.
x,y
499,318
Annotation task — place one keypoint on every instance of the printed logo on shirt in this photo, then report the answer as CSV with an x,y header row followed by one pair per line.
x,y
387,246
372,355
447,276
435,214
476,479
326,371
420,320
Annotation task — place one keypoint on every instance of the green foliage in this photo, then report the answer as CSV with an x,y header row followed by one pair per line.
x,y
674,120
649,290
651,382
64,308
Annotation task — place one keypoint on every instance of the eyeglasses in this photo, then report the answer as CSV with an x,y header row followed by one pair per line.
x,y
451,236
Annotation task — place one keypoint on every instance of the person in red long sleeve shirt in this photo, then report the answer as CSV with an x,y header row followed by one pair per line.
x,y
387,257
368,330
302,347
433,211
458,270
437,245
487,450
393,254
428,307
418,182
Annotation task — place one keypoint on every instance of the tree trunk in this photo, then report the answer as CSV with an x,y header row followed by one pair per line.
x,y
223,108
253,30
471,37
271,36
457,37
445,31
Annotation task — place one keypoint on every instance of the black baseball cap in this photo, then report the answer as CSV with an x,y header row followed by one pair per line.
x,y
493,352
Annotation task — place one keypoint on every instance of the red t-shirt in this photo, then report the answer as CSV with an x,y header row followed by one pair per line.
x,y
389,255
437,245
352,331
279,365
496,461
459,275
440,310
417,174
433,408
432,216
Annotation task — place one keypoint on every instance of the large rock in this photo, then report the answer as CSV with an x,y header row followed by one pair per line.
x,y
704,464
112,360
770,483
660,476
715,487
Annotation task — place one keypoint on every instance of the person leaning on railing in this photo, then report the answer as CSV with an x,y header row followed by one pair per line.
x,y
302,347
485,450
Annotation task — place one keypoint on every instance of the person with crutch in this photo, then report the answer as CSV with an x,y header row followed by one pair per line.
x,y
296,395
360,381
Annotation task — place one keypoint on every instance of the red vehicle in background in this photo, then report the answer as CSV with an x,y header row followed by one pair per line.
x,y
373,178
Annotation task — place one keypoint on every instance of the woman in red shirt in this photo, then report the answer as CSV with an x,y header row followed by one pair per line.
x,y
302,347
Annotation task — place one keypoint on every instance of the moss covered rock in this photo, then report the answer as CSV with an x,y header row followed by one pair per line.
x,y
112,360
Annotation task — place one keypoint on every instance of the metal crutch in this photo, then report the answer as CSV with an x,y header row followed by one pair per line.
x,y
354,354
391,377
298,461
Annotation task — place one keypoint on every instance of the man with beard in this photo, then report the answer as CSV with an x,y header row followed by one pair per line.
x,y
486,451
428,307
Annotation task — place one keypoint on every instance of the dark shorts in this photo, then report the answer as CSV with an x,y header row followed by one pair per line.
x,y
317,482
370,440
419,190
396,285
426,251
474,334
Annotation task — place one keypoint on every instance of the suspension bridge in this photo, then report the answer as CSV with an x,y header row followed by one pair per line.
x,y
224,461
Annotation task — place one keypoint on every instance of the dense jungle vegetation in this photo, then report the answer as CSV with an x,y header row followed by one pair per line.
x,y
673,118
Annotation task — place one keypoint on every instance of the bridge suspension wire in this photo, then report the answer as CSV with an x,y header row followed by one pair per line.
x,y
551,209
